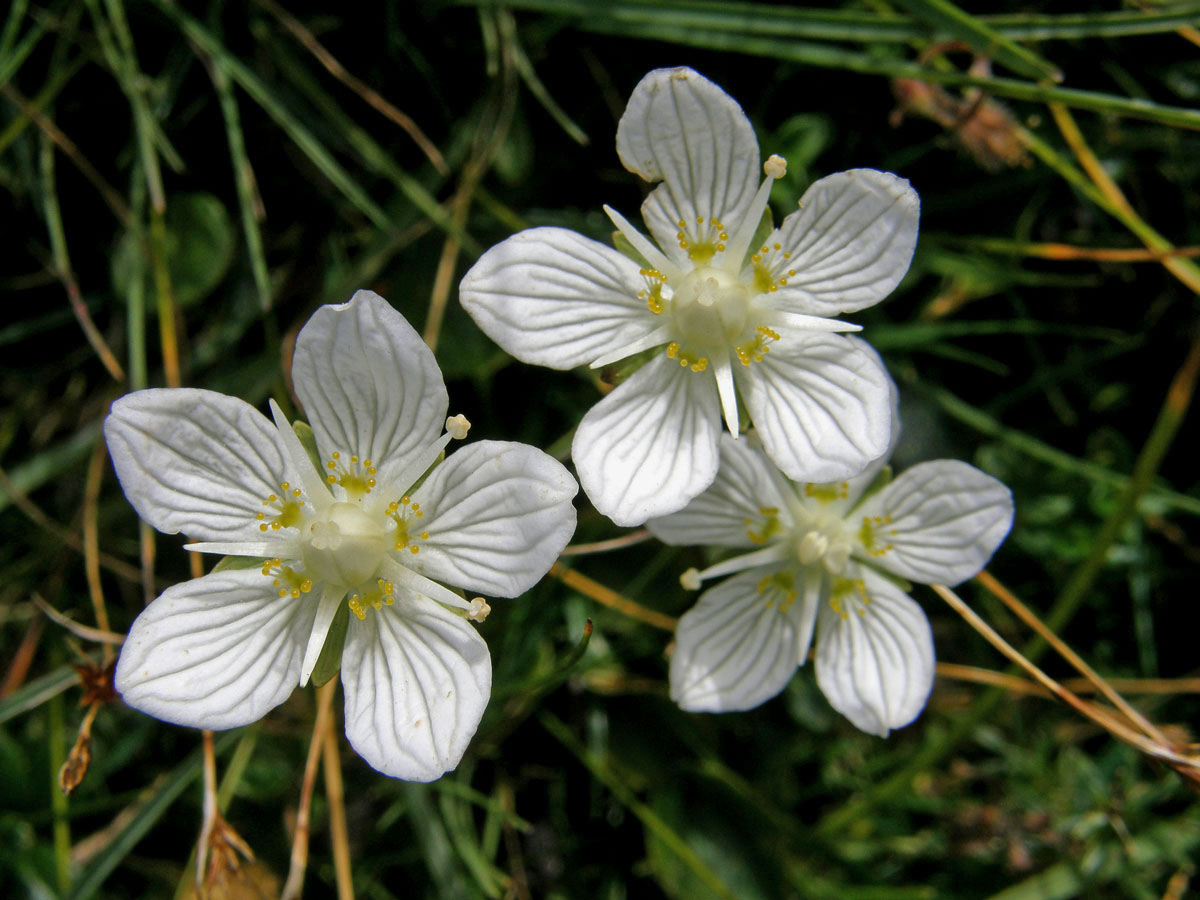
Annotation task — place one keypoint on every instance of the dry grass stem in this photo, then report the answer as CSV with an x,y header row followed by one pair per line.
x,y
294,886
99,635
610,598
34,513
91,542
1026,615
618,543
1187,765
339,834
373,99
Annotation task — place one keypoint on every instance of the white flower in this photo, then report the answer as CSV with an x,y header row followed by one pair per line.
x,y
730,315
828,556
222,650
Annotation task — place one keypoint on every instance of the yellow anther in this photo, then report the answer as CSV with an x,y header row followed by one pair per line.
x,y
287,581
357,477
288,512
753,351
827,493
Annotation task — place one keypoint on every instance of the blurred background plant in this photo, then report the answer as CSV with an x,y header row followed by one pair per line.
x,y
184,184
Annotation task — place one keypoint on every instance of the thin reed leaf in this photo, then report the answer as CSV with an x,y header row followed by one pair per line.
x,y
291,125
649,819
92,879
985,40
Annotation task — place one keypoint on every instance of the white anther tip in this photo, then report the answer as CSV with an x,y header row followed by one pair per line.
x,y
478,610
775,166
458,426
690,580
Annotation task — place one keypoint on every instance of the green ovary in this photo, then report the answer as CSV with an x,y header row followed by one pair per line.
x,y
709,308
344,545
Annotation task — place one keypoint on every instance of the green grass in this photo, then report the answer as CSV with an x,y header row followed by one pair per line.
x,y
183,185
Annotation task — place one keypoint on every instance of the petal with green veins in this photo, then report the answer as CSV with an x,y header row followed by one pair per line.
x,y
216,652
849,244
821,405
417,678
554,298
650,446
741,643
875,660
197,461
368,383
937,523
681,129
499,514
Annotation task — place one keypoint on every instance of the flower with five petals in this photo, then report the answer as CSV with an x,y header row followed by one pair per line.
x,y
365,535
826,557
729,315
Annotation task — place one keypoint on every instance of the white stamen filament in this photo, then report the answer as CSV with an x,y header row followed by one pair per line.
x,y
419,584
421,460
284,548
799,321
331,599
654,256
312,482
656,338
739,241
767,555
723,371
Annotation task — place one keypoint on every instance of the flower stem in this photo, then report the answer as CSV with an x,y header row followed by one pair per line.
x,y
610,598
294,885
336,795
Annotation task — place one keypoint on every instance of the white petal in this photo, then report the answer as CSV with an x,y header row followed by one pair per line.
x,y
417,679
875,660
683,130
196,461
942,521
368,383
838,503
498,514
331,601
216,652
745,486
850,243
651,445
733,651
552,297
821,405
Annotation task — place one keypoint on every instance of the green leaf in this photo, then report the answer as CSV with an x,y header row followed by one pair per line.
x,y
200,244
330,660
36,692
984,40
627,249
308,441
235,563
120,845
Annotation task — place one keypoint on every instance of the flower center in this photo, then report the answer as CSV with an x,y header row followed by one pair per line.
x,y
709,307
822,540
344,546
